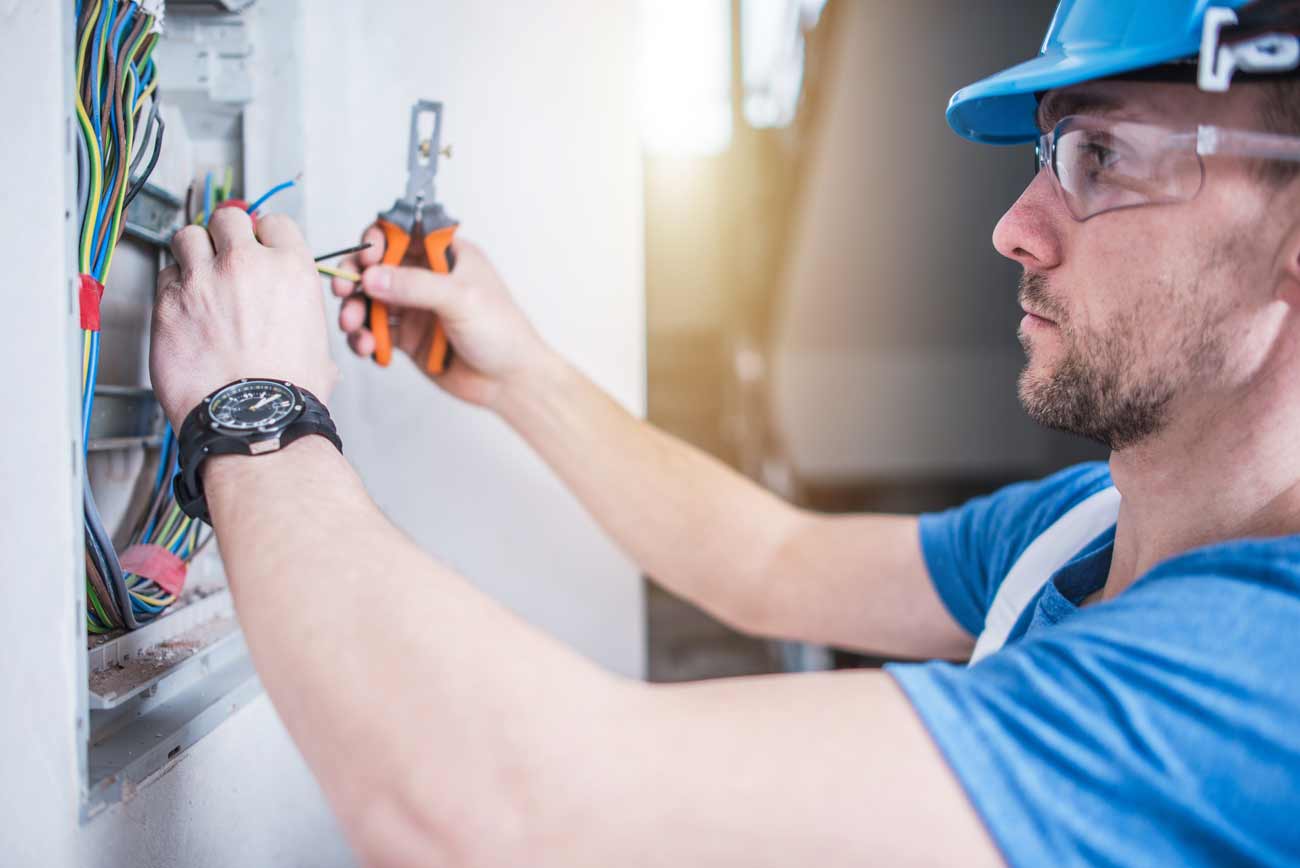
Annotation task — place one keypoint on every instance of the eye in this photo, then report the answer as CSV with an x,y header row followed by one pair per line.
x,y
1096,156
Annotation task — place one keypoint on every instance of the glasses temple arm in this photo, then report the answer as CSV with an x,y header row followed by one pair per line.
x,y
1218,141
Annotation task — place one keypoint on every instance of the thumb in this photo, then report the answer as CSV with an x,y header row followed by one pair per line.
x,y
407,287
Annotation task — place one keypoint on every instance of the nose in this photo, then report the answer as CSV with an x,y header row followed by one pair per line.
x,y
1029,232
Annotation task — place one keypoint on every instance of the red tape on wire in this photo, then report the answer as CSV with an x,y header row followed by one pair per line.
x,y
92,292
155,562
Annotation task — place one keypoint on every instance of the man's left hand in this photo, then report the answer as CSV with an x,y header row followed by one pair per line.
x,y
239,303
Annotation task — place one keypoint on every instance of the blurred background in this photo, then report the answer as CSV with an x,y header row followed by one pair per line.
x,y
825,309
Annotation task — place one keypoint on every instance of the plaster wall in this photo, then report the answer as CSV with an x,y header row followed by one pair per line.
x,y
540,112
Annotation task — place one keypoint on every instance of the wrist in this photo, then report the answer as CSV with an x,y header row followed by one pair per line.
x,y
546,375
250,417
229,478
221,470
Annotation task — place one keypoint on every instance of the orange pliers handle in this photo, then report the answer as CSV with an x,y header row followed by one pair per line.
x,y
435,352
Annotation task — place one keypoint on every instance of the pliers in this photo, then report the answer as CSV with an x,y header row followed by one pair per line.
x,y
418,214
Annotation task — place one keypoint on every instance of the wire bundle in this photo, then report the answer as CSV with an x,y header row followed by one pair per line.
x,y
116,81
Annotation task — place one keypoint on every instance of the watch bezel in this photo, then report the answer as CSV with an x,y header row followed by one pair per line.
x,y
261,432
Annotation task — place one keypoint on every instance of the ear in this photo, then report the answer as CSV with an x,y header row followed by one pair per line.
x,y
1288,271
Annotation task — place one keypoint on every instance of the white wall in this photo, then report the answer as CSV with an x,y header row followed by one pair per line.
x,y
39,510
547,175
541,114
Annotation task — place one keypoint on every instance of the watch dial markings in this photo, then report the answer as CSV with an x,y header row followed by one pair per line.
x,y
251,405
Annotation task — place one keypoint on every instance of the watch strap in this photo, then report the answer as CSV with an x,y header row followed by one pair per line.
x,y
198,442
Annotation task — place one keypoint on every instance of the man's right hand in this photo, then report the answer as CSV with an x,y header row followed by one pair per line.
x,y
493,341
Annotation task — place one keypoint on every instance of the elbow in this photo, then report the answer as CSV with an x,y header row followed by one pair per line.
x,y
389,832
534,799
407,830
765,605
752,616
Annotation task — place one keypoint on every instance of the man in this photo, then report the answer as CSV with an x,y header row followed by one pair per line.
x,y
1136,693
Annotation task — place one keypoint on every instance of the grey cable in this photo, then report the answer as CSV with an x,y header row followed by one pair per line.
x,y
148,170
112,567
144,142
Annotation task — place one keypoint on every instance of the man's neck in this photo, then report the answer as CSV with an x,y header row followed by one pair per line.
x,y
1222,473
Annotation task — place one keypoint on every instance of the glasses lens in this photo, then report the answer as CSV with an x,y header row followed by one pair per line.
x,y
1102,166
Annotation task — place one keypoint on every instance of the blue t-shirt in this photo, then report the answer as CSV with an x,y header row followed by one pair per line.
x,y
1158,728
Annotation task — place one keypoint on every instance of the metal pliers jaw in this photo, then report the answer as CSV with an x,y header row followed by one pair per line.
x,y
421,170
417,213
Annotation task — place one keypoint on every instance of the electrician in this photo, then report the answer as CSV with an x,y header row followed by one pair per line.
x,y
1134,627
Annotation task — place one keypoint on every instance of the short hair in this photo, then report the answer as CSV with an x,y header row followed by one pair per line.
x,y
1280,98
1279,111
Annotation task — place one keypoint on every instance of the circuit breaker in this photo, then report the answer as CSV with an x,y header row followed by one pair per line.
x,y
165,662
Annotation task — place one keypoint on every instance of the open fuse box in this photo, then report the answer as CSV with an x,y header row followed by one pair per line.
x,y
164,659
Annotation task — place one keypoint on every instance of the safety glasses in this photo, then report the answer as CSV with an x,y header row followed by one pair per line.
x,y
1099,165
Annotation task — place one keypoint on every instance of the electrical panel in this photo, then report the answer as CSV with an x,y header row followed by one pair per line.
x,y
165,662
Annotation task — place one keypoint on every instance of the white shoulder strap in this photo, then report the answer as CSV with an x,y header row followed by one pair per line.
x,y
1050,550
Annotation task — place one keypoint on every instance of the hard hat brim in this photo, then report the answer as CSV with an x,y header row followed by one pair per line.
x,y
1002,108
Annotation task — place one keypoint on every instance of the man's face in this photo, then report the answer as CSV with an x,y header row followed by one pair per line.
x,y
1148,314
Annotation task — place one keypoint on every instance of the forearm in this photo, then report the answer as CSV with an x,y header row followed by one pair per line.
x,y
696,526
428,712
446,732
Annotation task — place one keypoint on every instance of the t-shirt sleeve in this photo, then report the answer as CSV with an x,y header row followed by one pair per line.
x,y
1154,729
969,549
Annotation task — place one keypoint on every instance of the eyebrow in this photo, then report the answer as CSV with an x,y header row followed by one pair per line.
x,y
1058,105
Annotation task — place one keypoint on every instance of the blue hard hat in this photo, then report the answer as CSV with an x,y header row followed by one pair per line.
x,y
1088,39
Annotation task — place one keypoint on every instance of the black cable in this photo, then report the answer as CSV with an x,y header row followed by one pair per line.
x,y
344,252
148,169
149,126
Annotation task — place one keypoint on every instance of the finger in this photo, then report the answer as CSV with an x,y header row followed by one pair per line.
x,y
373,254
352,315
465,249
169,282
408,287
362,343
192,247
230,228
277,230
341,287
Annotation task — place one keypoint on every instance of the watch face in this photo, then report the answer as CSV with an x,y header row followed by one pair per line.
x,y
252,405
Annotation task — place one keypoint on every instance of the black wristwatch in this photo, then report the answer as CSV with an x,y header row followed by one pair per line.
x,y
246,417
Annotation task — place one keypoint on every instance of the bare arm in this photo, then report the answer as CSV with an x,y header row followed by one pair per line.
x,y
443,729
447,732
696,526
723,542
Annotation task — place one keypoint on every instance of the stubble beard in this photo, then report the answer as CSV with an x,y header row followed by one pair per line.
x,y
1099,389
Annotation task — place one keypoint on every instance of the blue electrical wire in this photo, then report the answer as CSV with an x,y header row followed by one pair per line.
x,y
141,606
99,256
163,458
207,198
88,402
96,38
269,193
115,19
100,26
